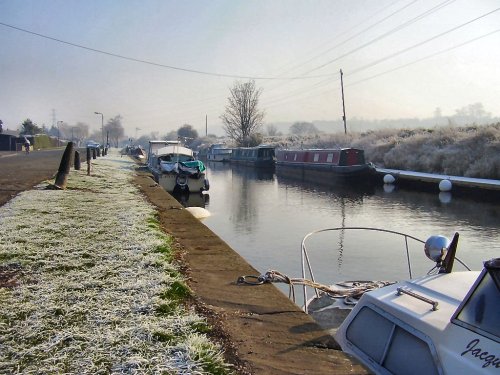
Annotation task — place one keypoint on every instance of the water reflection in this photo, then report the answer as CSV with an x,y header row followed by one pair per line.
x,y
193,200
264,217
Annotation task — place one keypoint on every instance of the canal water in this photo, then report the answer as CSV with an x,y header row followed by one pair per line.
x,y
264,216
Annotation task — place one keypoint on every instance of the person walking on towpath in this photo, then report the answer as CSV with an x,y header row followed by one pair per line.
x,y
27,145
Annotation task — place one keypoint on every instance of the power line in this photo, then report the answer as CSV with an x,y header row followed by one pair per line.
x,y
154,63
407,64
405,49
407,23
420,59
423,42
350,38
360,32
296,66
386,34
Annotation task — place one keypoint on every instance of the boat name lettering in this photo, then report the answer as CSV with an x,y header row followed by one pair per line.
x,y
489,359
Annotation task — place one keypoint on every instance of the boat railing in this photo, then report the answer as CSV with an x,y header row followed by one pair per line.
x,y
307,271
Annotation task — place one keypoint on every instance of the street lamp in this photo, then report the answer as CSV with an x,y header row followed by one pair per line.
x,y
59,133
102,127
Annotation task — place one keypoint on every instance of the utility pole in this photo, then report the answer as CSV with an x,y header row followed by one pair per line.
x,y
343,104
206,125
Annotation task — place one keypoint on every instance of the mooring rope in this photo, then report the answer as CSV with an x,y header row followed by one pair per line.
x,y
351,291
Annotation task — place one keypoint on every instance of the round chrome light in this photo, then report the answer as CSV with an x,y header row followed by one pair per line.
x,y
436,247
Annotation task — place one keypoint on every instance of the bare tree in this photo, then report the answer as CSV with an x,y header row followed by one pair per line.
x,y
242,118
115,130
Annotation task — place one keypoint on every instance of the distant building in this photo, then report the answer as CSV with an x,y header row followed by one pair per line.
x,y
9,140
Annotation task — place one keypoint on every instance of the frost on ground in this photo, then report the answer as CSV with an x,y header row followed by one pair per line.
x,y
91,290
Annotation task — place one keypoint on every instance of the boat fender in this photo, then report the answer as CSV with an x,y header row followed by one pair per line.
x,y
445,185
389,179
206,184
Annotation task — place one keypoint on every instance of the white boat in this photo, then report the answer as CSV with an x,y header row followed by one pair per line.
x,y
219,152
175,168
441,323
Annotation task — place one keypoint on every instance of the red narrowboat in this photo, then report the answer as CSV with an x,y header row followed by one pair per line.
x,y
345,162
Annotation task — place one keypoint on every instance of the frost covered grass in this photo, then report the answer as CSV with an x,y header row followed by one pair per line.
x,y
96,290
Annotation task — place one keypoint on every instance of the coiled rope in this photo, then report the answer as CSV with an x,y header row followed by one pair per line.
x,y
350,291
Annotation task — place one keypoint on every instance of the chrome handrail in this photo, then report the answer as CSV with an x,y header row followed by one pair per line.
x,y
305,256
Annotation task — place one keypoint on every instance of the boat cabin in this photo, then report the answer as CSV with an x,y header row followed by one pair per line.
x,y
337,157
260,156
167,151
437,324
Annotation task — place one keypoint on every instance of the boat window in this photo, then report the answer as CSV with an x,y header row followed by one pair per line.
x,y
329,158
389,345
480,312
408,355
370,332
295,157
316,157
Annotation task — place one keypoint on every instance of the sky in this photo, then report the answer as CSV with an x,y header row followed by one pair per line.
x,y
162,64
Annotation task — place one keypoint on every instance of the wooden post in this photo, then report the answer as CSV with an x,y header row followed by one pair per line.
x,y
94,155
62,173
77,161
89,161
99,152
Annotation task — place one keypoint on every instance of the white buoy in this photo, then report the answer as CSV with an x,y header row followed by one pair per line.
x,y
389,179
198,212
445,185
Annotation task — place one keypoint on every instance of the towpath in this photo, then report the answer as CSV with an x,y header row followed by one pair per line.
x,y
262,330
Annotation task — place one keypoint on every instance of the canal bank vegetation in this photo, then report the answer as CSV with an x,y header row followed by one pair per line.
x,y
89,284
470,151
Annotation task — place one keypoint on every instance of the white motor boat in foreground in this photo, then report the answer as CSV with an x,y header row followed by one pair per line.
x,y
175,168
442,323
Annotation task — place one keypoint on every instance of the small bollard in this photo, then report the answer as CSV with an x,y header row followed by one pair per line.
x,y
62,173
94,155
89,161
77,161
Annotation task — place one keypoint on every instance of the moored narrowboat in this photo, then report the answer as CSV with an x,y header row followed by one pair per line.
x,y
344,162
219,152
260,156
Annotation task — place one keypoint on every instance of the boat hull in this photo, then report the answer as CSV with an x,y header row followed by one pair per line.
x,y
175,183
219,157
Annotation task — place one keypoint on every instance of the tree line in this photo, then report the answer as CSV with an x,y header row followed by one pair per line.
x,y
112,132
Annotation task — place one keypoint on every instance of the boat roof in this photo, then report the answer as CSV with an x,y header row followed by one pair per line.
x,y
252,148
449,290
164,142
174,149
320,149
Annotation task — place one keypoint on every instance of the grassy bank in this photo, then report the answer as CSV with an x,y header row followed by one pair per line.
x,y
90,285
